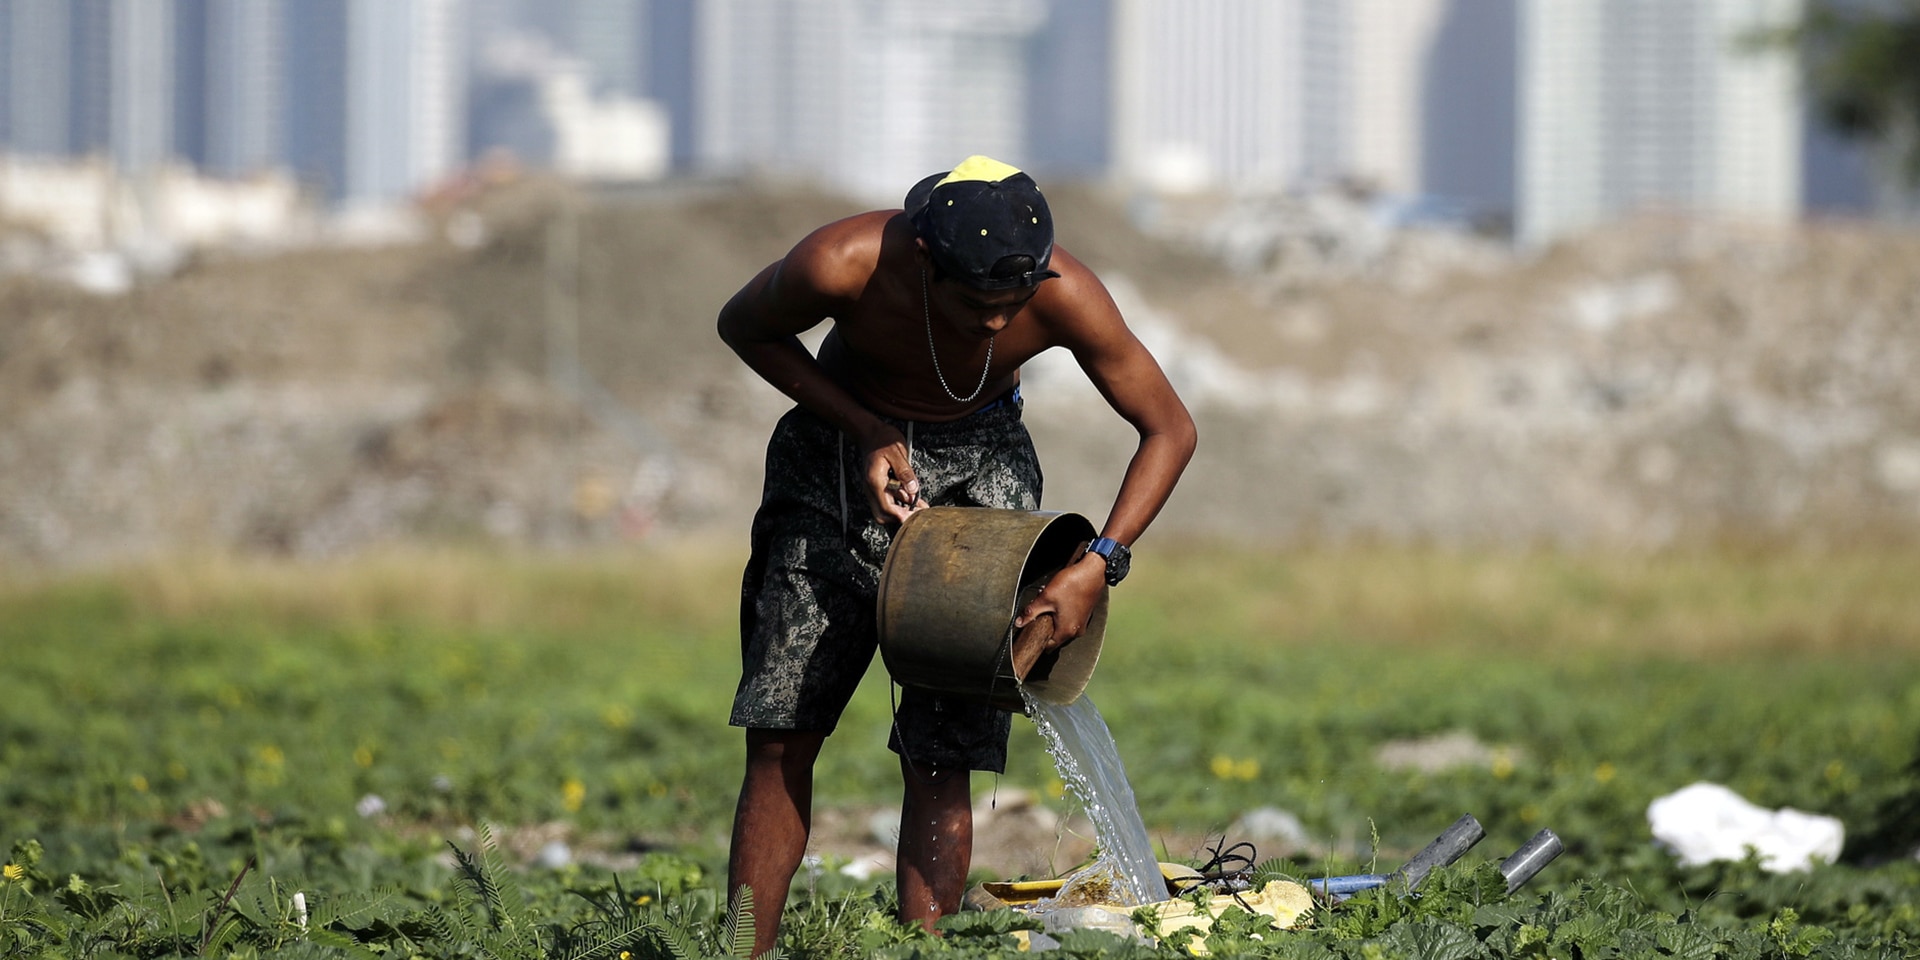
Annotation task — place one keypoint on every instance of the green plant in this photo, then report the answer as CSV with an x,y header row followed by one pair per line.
x,y
254,711
491,911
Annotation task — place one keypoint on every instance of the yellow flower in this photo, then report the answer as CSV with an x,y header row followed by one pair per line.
x,y
1227,768
363,757
643,899
573,794
138,782
13,871
1604,772
656,789
271,755
1502,765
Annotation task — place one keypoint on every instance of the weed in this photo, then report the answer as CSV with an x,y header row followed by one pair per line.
x,y
239,759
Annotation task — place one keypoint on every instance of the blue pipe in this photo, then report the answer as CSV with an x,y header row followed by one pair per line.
x,y
1348,886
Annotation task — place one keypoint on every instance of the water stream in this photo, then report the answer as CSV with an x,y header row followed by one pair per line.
x,y
1125,872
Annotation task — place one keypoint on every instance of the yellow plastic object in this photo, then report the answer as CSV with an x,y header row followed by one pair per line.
x,y
1284,901
1023,893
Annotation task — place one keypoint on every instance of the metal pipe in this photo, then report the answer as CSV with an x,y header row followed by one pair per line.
x,y
1532,855
1451,845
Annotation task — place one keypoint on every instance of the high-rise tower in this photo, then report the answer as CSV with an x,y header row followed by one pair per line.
x,y
864,95
1635,104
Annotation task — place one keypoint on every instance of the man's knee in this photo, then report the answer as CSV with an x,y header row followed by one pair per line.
x,y
786,749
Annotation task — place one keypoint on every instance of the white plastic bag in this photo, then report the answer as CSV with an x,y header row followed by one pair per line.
x,y
1706,822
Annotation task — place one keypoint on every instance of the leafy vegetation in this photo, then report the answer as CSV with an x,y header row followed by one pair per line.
x,y
224,758
1863,64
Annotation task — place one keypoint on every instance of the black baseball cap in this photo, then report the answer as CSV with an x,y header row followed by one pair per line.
x,y
977,216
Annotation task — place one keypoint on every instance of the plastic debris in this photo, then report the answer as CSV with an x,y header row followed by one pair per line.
x,y
1285,902
1707,822
555,855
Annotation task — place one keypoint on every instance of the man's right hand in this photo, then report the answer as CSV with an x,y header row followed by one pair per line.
x,y
893,491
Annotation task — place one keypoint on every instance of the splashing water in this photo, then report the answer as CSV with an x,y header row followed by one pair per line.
x,y
1126,871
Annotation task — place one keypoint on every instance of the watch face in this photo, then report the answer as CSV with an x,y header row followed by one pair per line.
x,y
1117,564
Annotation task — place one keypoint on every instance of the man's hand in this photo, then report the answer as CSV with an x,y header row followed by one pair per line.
x,y
893,492
1069,597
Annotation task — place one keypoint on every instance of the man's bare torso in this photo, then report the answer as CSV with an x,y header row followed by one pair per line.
x,y
878,350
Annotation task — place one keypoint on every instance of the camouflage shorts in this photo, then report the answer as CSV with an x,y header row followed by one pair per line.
x,y
807,599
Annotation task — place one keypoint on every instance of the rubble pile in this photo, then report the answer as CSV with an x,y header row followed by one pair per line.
x,y
542,368
1657,382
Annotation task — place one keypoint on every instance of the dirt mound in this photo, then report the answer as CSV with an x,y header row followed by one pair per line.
x,y
553,377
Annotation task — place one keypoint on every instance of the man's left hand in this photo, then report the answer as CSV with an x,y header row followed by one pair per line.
x,y
1070,597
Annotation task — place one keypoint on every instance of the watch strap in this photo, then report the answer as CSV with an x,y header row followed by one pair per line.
x,y
1118,557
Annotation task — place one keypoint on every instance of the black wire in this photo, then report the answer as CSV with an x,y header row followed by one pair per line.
x,y
1216,875
1223,855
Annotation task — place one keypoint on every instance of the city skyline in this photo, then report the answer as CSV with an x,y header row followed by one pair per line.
x,y
1488,106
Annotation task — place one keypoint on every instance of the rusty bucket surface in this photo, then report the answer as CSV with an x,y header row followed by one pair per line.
x,y
954,579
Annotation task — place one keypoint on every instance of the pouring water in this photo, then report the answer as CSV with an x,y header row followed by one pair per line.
x,y
1125,872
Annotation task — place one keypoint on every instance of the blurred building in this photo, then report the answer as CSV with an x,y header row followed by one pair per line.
x,y
35,75
1469,128
608,137
139,73
376,96
36,111
1211,92
609,36
1069,115
1271,93
230,94
1387,56
1636,104
88,76
563,85
1556,114
866,96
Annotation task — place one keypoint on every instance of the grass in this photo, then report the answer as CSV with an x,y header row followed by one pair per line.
x,y
183,716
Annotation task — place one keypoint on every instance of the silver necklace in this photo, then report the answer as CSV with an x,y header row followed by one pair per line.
x,y
926,310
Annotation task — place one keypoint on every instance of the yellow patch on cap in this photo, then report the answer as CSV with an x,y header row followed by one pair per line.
x,y
981,168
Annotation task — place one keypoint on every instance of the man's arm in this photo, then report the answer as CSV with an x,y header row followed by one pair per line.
x,y
762,322
1085,321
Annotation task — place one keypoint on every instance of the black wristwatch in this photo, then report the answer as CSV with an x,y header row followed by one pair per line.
x,y
1118,558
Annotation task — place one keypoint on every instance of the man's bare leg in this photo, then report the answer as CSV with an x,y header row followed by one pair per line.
x,y
771,823
936,843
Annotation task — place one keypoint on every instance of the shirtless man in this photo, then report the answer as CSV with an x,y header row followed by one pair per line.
x,y
913,401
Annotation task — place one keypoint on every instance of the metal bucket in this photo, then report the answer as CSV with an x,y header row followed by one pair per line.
x,y
954,579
